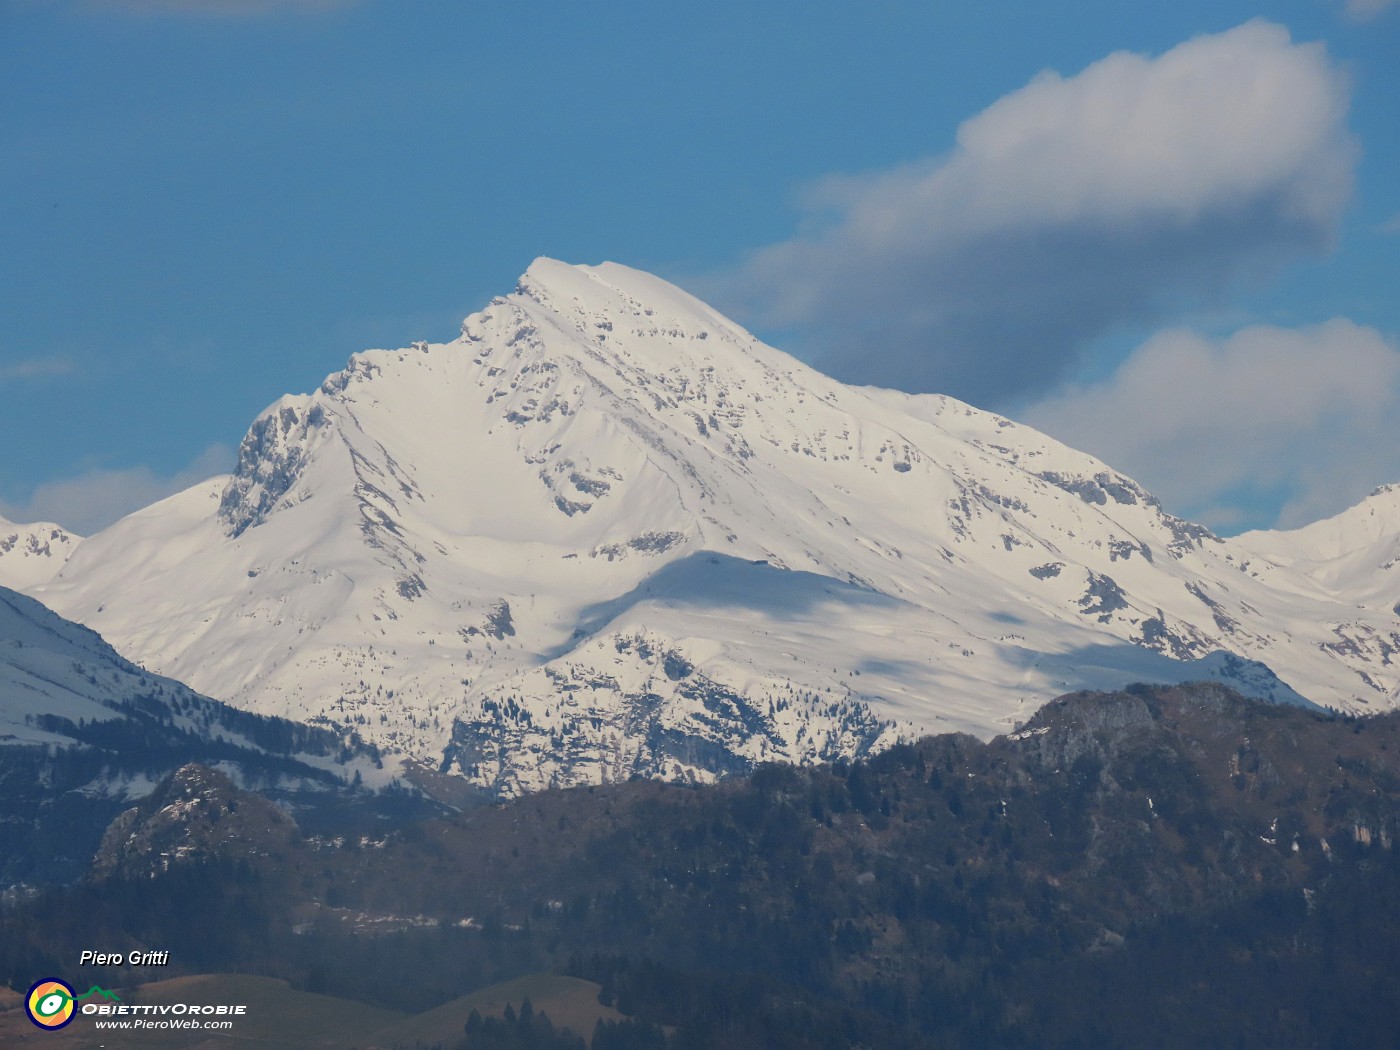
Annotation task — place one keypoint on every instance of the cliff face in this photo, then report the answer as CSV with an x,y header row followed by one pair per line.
x,y
194,814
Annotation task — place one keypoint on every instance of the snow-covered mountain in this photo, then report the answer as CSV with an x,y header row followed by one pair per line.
x,y
83,731
61,686
1354,556
607,532
30,555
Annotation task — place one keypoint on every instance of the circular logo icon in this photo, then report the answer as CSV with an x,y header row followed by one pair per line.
x,y
50,1003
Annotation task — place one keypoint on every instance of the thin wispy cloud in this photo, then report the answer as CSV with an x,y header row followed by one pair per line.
x,y
1067,208
37,368
1365,10
219,8
1309,411
94,499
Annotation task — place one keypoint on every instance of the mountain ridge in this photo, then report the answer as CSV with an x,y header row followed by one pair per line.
x,y
606,532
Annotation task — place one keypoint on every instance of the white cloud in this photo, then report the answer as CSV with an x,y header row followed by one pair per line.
x,y
1066,208
1308,411
91,501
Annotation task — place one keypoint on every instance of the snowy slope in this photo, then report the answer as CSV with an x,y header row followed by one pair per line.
x,y
1354,559
83,732
607,532
50,668
1354,556
31,555
62,686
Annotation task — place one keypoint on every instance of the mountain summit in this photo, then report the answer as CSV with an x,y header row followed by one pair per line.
x,y
31,555
606,532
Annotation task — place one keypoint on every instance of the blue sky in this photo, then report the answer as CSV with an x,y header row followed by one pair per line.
x,y
1184,258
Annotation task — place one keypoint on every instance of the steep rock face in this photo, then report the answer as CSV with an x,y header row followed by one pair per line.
x,y
499,554
269,460
195,813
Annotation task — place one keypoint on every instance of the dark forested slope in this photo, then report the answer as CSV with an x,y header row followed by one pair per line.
x,y
1159,867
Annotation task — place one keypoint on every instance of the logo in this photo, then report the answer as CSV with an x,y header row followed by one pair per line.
x,y
51,1003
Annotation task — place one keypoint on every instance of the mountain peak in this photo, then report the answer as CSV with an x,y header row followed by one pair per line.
x,y
601,281
31,555
607,532
1356,554
552,275
1354,532
622,295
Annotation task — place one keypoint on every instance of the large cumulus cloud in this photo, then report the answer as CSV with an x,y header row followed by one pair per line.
x,y
1068,207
